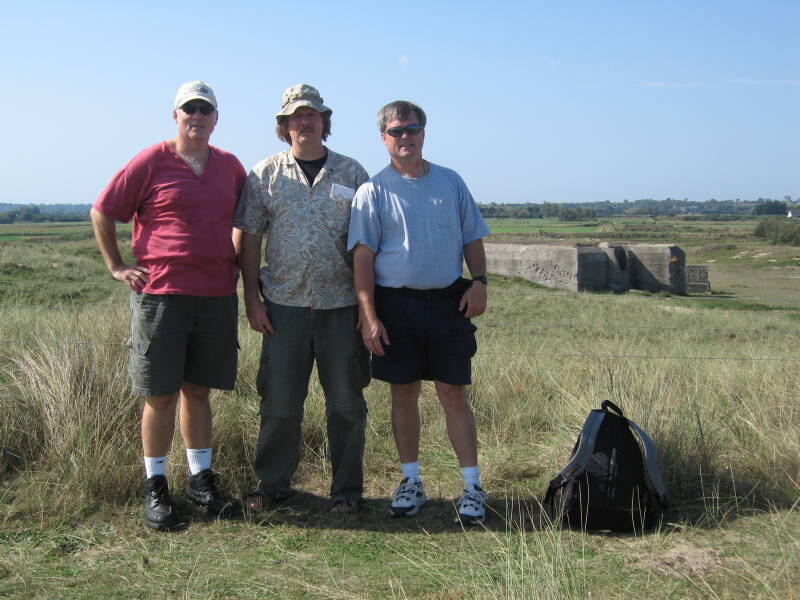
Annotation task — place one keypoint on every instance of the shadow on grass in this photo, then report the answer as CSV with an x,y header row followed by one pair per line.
x,y
707,502
307,510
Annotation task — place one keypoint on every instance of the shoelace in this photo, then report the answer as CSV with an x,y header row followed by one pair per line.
x,y
159,494
406,491
474,500
207,482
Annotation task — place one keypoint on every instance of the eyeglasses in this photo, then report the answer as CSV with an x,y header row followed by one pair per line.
x,y
204,107
397,132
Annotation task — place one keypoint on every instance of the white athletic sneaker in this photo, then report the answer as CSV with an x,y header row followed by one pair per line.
x,y
408,497
472,506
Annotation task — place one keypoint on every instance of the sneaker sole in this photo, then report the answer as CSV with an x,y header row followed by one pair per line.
x,y
231,508
173,525
467,520
411,511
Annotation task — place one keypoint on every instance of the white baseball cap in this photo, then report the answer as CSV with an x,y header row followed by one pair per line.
x,y
195,90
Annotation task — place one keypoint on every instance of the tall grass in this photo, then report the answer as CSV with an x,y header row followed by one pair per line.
x,y
69,425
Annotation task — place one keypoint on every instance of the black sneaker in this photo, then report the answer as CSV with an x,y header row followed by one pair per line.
x,y
202,490
158,510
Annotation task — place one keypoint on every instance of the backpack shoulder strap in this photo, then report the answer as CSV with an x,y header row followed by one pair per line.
x,y
651,460
577,464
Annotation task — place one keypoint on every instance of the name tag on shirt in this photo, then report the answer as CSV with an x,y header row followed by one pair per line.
x,y
342,191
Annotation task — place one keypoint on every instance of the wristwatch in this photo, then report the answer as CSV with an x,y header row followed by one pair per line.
x,y
481,278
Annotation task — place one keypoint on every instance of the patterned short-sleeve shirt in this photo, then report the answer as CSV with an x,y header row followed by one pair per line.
x,y
305,255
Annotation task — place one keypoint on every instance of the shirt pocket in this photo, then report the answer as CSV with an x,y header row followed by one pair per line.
x,y
445,214
339,203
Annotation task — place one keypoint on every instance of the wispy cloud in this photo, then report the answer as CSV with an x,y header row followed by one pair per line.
x,y
671,84
736,81
766,82
403,61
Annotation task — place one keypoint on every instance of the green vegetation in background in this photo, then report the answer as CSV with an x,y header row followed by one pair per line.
x,y
779,231
56,264
38,213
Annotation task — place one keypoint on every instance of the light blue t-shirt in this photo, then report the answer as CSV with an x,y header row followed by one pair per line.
x,y
417,228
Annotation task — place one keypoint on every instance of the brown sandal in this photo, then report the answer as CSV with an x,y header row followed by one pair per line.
x,y
255,501
259,500
342,505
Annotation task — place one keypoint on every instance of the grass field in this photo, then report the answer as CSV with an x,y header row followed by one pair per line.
x,y
711,378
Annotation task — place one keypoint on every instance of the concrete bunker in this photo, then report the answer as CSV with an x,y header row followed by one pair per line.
x,y
579,267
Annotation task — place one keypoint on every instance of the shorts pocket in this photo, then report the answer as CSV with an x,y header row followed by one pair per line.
x,y
139,347
456,337
263,374
393,312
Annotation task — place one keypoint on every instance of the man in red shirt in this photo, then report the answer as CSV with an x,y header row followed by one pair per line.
x,y
181,194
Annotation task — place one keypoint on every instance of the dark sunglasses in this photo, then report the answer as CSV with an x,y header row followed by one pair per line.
x,y
204,107
397,132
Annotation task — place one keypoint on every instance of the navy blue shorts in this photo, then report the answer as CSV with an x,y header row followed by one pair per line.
x,y
429,337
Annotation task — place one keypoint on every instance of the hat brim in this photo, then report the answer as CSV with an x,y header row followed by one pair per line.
x,y
289,109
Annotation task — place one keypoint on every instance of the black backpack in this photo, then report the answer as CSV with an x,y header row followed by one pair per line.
x,y
603,486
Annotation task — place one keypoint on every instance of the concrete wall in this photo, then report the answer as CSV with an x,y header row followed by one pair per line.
x,y
659,267
553,266
616,267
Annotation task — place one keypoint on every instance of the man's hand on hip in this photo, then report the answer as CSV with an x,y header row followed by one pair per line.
x,y
134,275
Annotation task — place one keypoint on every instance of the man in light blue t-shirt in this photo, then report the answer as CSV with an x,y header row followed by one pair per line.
x,y
412,225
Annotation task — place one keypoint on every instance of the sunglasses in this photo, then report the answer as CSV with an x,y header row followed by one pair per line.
x,y
397,132
204,107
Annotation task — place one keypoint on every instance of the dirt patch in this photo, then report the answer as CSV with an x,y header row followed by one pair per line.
x,y
677,309
683,560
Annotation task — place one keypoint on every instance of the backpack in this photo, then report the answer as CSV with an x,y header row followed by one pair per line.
x,y
603,486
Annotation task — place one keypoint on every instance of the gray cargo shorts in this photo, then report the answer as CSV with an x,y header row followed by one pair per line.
x,y
177,338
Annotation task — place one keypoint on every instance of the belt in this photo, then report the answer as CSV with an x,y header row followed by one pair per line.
x,y
454,290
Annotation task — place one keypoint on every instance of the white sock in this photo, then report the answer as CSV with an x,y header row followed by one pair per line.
x,y
471,475
199,460
155,465
410,470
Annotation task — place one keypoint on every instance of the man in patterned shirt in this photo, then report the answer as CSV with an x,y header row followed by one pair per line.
x,y
300,198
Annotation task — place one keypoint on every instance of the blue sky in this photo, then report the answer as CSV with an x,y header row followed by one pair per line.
x,y
560,101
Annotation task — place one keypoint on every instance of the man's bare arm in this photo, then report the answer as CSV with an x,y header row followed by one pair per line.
x,y
105,232
250,263
473,302
236,239
372,330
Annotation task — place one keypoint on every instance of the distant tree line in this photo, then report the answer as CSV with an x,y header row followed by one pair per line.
x,y
40,213
564,212
670,207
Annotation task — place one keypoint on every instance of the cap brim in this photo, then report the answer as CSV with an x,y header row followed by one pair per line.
x,y
190,98
290,108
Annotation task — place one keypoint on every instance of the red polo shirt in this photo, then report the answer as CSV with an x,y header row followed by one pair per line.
x,y
182,223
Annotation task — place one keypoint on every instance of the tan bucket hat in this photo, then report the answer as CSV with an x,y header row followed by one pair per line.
x,y
301,95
